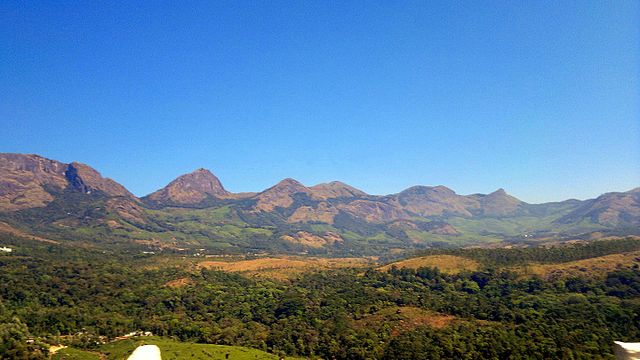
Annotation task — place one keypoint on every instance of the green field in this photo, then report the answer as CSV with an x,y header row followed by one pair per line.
x,y
171,350
75,354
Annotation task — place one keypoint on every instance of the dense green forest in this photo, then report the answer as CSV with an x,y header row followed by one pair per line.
x,y
51,293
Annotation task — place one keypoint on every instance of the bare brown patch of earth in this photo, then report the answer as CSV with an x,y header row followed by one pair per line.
x,y
596,267
405,318
450,264
178,283
283,268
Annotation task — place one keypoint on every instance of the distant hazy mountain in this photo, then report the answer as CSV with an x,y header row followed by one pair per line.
x,y
612,209
73,201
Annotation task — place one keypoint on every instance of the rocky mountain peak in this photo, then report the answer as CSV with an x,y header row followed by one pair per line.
x,y
191,188
335,189
433,201
280,195
290,186
499,203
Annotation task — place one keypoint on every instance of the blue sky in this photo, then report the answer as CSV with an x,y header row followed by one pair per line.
x,y
538,97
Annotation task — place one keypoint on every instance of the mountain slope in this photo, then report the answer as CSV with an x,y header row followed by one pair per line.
x,y
25,178
610,209
499,204
280,195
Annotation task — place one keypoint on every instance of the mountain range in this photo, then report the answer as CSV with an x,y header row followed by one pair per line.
x,y
74,202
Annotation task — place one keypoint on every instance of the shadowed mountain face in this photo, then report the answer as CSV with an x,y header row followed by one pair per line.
x,y
84,178
73,200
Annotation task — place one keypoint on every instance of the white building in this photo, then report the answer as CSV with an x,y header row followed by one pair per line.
x,y
6,249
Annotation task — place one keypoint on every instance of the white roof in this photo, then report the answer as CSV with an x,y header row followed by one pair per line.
x,y
146,352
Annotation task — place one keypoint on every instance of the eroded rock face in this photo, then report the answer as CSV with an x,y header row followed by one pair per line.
x,y
190,189
374,211
323,212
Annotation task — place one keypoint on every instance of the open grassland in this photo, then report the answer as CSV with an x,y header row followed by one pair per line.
x,y
596,267
450,264
282,268
171,350
402,319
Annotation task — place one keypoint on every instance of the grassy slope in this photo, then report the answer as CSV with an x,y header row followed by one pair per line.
x,y
75,354
446,263
170,350
518,226
593,267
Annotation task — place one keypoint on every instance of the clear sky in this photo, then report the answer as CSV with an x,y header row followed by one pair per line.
x,y
538,97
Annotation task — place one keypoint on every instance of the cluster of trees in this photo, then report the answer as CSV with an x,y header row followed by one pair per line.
x,y
52,290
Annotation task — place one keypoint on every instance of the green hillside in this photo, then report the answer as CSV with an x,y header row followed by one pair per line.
x,y
170,349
